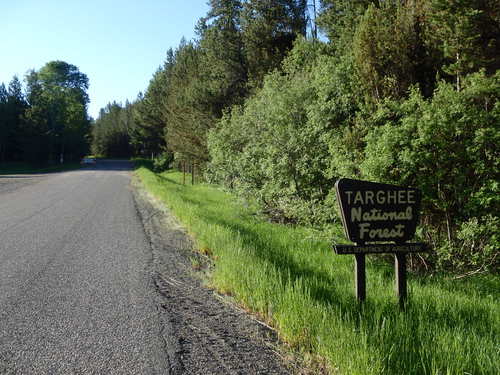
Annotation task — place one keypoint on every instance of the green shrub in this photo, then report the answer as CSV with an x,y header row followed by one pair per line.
x,y
163,162
269,150
289,143
479,242
277,148
448,147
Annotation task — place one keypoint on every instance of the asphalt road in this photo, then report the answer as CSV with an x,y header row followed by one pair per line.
x,y
96,278
75,286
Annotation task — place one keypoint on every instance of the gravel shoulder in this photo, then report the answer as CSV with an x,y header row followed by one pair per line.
x,y
203,333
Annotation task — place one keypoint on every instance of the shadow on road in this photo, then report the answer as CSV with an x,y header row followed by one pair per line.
x,y
111,165
101,165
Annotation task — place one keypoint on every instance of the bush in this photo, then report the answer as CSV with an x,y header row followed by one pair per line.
x,y
268,149
447,147
289,143
479,243
278,146
163,162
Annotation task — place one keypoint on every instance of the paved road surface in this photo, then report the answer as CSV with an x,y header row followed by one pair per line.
x,y
96,280
75,288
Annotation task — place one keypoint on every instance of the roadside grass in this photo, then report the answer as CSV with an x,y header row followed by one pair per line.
x,y
25,168
290,277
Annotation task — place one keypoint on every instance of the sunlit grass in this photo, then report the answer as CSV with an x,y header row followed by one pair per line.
x,y
293,280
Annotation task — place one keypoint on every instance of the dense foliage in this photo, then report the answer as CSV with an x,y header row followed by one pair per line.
x,y
404,92
448,147
48,123
384,100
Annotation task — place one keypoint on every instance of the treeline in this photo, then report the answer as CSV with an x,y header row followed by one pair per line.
x,y
238,44
403,92
47,122
112,131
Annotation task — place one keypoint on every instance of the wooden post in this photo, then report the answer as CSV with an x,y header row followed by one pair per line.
x,y
400,270
360,276
184,172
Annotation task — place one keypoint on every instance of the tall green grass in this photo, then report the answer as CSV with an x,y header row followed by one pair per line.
x,y
293,280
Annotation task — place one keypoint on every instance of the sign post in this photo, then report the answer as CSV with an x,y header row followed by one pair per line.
x,y
378,218
192,172
360,276
184,172
400,268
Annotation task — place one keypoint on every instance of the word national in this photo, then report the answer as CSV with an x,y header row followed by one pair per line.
x,y
374,214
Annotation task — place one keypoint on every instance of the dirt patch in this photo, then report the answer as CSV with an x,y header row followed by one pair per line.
x,y
202,331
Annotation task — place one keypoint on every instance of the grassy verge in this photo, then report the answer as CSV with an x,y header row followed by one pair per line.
x,y
293,280
24,168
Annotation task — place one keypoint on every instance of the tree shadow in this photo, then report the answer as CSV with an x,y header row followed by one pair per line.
x,y
110,165
169,180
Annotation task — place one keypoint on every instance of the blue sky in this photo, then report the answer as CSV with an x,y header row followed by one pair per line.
x,y
117,44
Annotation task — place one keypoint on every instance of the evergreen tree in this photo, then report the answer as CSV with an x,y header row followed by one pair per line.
x,y
207,78
339,18
112,129
188,105
4,130
16,107
12,107
223,59
390,50
468,32
269,28
149,112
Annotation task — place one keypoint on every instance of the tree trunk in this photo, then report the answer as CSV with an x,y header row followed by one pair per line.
x,y
448,225
184,172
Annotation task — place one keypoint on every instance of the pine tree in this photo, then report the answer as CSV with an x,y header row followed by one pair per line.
x,y
207,78
339,19
269,29
223,61
468,32
16,107
188,110
4,130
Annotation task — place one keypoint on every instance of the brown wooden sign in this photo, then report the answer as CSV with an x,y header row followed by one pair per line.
x,y
378,218
373,212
